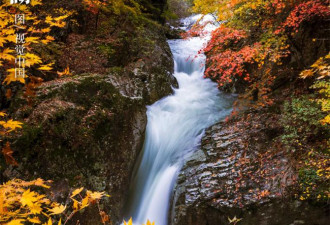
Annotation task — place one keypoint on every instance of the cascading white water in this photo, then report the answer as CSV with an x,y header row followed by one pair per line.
x,y
175,126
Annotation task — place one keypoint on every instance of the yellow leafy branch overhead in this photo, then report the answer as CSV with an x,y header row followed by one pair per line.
x,y
37,31
20,203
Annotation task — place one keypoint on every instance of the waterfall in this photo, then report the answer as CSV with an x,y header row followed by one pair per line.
x,y
175,126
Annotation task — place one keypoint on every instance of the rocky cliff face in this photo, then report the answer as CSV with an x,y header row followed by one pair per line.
x,y
87,130
240,170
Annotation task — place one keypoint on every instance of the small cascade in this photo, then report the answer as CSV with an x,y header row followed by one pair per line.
x,y
175,126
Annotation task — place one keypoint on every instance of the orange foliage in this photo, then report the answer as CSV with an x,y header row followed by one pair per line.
x,y
8,154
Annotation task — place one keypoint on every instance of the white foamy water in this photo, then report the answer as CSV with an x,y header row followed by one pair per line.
x,y
175,126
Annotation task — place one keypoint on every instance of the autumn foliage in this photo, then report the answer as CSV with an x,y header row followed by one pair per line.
x,y
37,30
8,126
255,34
257,48
21,202
304,12
320,69
223,63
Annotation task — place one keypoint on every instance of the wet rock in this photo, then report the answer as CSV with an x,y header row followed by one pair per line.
x,y
244,174
198,156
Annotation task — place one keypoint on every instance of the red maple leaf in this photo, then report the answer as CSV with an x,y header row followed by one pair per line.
x,y
8,154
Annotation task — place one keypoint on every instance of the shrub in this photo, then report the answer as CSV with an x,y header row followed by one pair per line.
x,y
301,122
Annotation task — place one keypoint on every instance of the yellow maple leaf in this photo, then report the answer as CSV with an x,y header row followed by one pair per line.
x,y
11,125
326,120
2,201
35,2
44,41
149,223
36,22
2,114
75,205
234,220
12,78
9,31
32,59
55,22
11,38
306,73
35,208
5,54
77,191
85,202
46,67
45,30
41,182
34,220
32,30
96,195
60,222
49,222
32,40
49,19
130,222
2,41
28,198
65,72
22,7
61,18
57,210
16,222
50,38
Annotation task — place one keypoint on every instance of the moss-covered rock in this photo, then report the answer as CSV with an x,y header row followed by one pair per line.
x,y
87,130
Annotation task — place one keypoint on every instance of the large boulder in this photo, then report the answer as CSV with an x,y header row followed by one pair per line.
x,y
241,171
